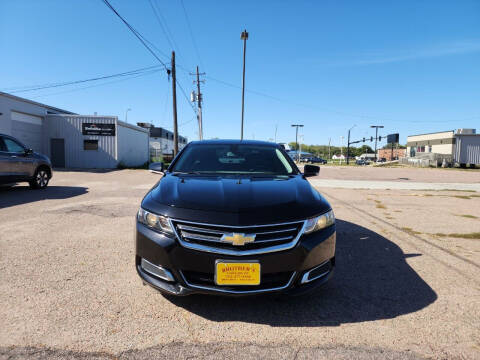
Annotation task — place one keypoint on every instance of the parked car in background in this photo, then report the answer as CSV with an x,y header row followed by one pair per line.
x,y
362,162
21,164
316,160
233,217
381,160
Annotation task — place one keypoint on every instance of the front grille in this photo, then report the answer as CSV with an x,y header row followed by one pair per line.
x,y
211,235
268,281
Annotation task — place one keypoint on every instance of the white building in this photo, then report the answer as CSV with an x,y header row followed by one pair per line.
x,y
161,140
71,140
453,147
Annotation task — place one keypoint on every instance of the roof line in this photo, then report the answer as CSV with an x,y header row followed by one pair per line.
x,y
437,132
35,103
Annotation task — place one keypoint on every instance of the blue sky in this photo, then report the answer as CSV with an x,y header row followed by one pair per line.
x,y
412,66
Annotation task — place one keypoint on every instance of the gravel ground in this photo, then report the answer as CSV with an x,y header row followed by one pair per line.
x,y
69,288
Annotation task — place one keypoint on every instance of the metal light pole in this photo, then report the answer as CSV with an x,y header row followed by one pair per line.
x,y
244,37
376,137
341,148
348,145
126,114
296,136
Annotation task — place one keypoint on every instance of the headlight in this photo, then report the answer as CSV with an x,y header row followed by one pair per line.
x,y
319,222
154,221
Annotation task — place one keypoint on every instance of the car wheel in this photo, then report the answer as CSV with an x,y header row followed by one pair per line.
x,y
40,179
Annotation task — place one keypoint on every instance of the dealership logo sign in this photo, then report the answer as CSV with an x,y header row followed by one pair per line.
x,y
98,129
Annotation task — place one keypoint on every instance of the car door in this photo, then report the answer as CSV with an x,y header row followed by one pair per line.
x,y
18,164
5,172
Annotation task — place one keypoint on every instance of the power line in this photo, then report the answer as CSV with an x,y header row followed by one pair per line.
x,y
144,41
96,85
66,83
135,32
161,25
191,34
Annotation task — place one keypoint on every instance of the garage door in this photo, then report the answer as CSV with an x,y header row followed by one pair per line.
x,y
28,129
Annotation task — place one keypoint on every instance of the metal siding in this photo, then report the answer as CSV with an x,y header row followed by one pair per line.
x,y
467,149
69,127
29,134
133,146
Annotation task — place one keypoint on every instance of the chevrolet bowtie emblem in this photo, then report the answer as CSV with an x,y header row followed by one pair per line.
x,y
238,239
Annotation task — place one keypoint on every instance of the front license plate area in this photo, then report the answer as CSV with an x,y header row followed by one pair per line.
x,y
237,272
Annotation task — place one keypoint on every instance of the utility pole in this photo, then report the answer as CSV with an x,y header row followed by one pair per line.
x,y
296,126
243,37
376,137
348,145
329,154
276,127
341,150
174,96
199,99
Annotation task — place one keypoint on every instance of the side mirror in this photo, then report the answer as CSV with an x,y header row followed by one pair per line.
x,y
311,170
28,152
156,167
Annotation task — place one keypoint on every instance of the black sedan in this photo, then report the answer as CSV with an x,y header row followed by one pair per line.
x,y
233,217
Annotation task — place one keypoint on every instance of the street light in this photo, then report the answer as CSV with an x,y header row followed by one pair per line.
x,y
341,149
348,144
376,137
296,136
126,114
244,37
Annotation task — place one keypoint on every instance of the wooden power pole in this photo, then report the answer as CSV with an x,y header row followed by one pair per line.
x,y
198,97
174,96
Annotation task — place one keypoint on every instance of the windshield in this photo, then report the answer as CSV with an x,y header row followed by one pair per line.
x,y
233,159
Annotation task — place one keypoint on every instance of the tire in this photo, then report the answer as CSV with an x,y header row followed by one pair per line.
x,y
40,179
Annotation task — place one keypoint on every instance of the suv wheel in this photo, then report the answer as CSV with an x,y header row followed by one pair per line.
x,y
40,179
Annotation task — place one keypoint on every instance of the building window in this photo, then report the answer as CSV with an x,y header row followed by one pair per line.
x,y
90,144
429,148
421,149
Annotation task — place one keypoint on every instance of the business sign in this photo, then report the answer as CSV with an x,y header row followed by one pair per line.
x,y
392,138
98,129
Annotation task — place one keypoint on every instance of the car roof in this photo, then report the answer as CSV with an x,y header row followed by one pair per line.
x,y
234,142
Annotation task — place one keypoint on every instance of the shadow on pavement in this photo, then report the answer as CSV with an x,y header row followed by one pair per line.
x,y
372,281
17,195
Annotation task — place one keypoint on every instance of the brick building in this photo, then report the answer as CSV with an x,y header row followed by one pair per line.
x,y
387,154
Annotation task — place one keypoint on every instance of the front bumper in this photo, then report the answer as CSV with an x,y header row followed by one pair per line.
x,y
193,270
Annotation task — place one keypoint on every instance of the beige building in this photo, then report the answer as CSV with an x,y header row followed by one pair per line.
x,y
437,143
453,147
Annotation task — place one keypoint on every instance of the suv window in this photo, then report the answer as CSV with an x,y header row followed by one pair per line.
x,y
233,159
2,145
13,146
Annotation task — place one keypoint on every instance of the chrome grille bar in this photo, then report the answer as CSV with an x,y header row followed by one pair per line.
x,y
207,237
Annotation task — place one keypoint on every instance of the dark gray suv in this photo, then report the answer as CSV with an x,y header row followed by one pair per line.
x,y
21,164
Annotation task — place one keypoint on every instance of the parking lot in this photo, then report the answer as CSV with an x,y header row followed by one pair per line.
x,y
406,283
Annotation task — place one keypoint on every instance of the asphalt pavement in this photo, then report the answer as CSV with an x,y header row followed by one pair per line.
x,y
406,283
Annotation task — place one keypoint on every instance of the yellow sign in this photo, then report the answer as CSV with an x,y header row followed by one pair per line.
x,y
237,273
238,239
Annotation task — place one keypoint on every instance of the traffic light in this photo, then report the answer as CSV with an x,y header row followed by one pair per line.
x,y
380,138
363,139
371,138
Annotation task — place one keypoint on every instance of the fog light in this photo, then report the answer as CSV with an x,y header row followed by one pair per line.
x,y
317,272
156,270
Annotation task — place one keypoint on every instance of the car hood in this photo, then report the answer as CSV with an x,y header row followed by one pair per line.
x,y
235,199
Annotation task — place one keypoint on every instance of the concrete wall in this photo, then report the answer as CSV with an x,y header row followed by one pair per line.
x,y
69,127
132,144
